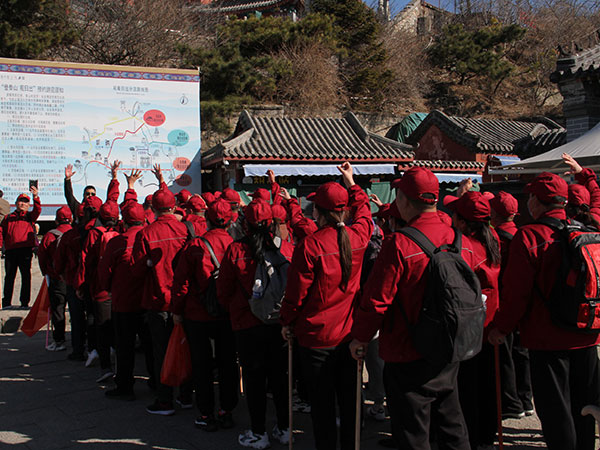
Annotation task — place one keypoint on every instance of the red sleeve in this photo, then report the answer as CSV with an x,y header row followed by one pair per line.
x,y
301,275
301,226
130,195
43,256
379,292
517,283
587,178
113,191
275,197
139,257
106,264
3,230
227,283
182,275
37,209
360,210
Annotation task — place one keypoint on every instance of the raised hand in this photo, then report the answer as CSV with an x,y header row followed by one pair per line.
x,y
285,194
69,172
114,168
375,199
573,165
271,176
158,173
33,190
135,175
465,186
347,174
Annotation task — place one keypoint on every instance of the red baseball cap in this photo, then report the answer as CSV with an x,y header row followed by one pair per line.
x,y
505,204
196,204
279,212
546,186
258,211
163,199
330,196
109,210
472,206
578,195
23,198
208,197
93,202
63,213
230,196
261,193
217,194
148,200
219,212
418,181
183,196
133,212
179,211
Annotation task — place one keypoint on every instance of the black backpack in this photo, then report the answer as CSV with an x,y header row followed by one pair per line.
x,y
210,300
449,328
574,300
270,279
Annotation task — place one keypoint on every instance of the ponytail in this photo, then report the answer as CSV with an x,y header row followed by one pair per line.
x,y
260,239
483,233
345,249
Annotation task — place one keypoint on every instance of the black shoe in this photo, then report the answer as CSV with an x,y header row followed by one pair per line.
x,y
225,420
206,423
513,415
387,442
76,357
120,394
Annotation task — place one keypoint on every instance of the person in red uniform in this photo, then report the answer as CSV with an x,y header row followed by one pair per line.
x,y
583,203
155,248
17,234
114,276
57,289
323,280
236,229
196,211
148,211
514,359
415,389
476,376
300,225
564,364
192,276
260,346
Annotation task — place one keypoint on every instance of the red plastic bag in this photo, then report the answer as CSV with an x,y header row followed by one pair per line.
x,y
177,365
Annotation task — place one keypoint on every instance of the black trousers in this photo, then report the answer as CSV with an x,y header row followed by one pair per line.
x,y
416,392
160,324
78,321
17,258
330,374
522,372
263,357
477,393
199,335
563,383
57,292
104,331
90,310
515,376
127,325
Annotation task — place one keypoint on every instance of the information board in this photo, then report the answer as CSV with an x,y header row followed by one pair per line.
x,y
55,114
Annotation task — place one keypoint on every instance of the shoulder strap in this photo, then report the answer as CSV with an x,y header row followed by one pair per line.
x,y
504,234
190,229
212,252
419,238
552,222
56,232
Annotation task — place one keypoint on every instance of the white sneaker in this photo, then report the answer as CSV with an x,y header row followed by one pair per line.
x,y
93,356
249,439
105,375
56,347
283,436
376,412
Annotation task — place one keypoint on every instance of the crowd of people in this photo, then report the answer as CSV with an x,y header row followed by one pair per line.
x,y
356,288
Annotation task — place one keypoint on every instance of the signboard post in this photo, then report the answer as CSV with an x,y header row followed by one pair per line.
x,y
54,114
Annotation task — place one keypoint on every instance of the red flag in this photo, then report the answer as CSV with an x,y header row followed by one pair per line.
x,y
38,314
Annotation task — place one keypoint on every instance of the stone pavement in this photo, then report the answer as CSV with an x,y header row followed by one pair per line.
x,y
48,402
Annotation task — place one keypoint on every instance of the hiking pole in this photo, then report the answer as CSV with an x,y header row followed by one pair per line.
x,y
498,396
359,369
241,378
47,327
290,384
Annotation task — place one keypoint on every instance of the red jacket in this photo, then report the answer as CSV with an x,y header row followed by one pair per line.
x,y
533,260
300,225
235,281
18,230
314,303
587,178
47,249
68,257
91,251
192,274
115,275
199,223
154,251
488,277
398,275
510,228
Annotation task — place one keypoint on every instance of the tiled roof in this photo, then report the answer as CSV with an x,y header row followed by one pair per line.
x,y
444,166
543,142
240,6
583,62
482,135
306,139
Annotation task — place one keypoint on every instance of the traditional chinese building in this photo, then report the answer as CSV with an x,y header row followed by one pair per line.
x,y
245,8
